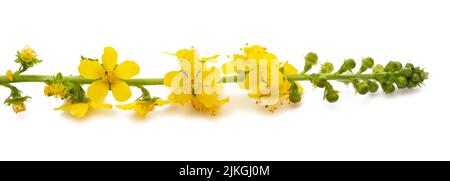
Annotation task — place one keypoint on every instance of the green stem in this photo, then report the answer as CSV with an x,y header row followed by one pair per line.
x,y
160,81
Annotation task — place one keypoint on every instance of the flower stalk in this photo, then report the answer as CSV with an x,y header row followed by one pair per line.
x,y
198,82
225,79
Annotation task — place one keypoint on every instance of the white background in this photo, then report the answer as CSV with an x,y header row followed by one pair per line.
x,y
408,125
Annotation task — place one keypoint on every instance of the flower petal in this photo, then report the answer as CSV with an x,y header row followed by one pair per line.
x,y
160,102
289,69
79,109
127,69
120,90
63,107
223,101
91,69
98,90
208,100
180,98
169,77
109,58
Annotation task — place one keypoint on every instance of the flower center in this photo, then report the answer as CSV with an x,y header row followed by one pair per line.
x,y
109,76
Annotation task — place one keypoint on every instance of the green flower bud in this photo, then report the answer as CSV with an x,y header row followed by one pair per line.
x,y
406,72
393,66
378,68
423,75
327,67
310,59
401,82
366,64
388,87
294,95
320,81
362,87
409,66
332,96
411,85
415,78
348,65
373,86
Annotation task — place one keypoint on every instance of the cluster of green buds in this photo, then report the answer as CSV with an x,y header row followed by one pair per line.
x,y
390,77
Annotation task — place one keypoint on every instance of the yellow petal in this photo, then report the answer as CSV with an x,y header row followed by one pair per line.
x,y
98,90
109,58
160,102
289,69
120,90
180,98
79,109
91,69
223,101
128,106
127,69
208,100
99,105
210,59
300,88
169,77
63,107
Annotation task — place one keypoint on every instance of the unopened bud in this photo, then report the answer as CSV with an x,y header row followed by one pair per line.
x,y
373,86
362,87
327,67
366,64
388,87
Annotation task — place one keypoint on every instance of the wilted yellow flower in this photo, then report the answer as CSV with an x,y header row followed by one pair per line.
x,y
80,109
207,103
108,75
195,82
58,90
18,107
142,107
264,76
27,54
9,75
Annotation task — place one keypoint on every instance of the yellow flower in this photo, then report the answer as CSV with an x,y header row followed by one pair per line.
x,y
19,107
264,76
80,109
27,54
108,75
9,75
208,103
255,63
195,82
142,107
58,90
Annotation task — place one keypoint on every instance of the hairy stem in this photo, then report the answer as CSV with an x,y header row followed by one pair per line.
x,y
159,81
